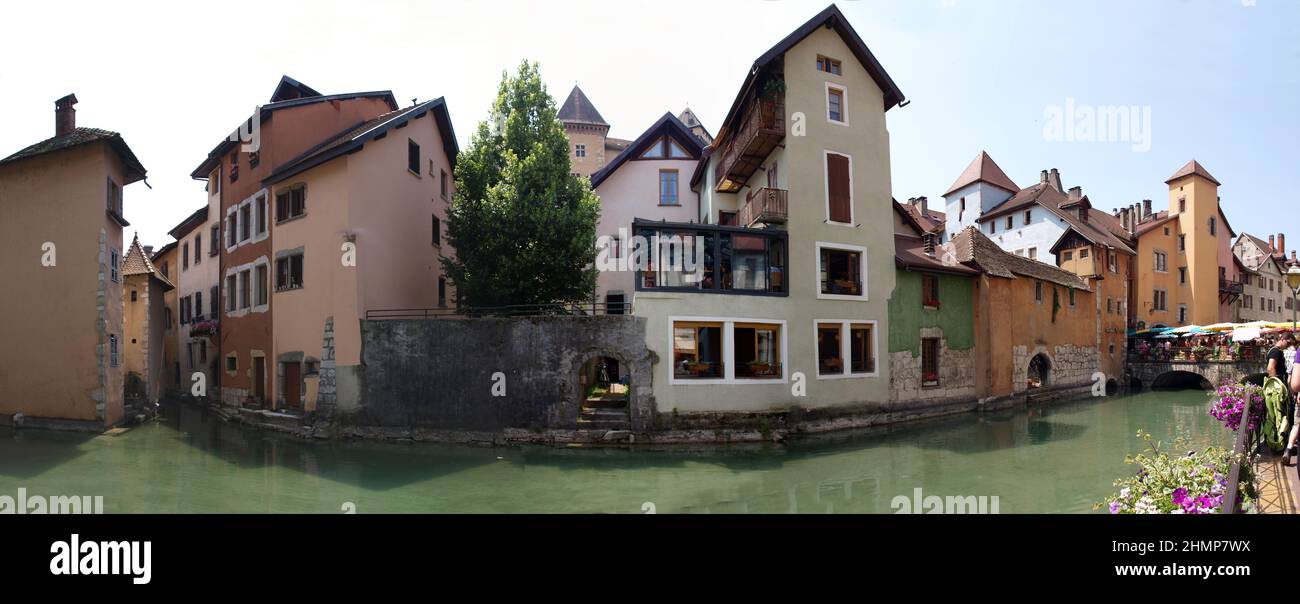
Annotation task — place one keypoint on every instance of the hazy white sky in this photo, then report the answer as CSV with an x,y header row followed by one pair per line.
x,y
1221,79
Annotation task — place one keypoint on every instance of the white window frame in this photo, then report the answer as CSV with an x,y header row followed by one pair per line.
x,y
845,352
844,103
826,188
253,235
728,351
862,266
253,306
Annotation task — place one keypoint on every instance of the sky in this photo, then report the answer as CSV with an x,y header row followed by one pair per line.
x,y
1213,80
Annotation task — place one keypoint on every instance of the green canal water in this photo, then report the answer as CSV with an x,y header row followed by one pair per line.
x,y
1061,458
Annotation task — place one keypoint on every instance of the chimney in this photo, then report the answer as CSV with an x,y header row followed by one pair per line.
x,y
148,249
1293,258
1281,243
1055,179
1272,245
927,240
1146,208
921,202
1042,177
1076,193
1134,217
65,117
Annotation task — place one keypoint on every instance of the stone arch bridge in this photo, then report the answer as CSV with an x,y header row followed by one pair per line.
x,y
1142,375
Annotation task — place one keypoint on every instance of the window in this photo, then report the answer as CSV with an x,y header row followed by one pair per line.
x,y
1071,296
187,310
668,188
114,200
234,166
835,105
1160,300
1010,222
198,306
1038,291
213,300
580,150
1162,262
245,222
828,65
930,291
203,351
756,350
929,362
112,350
413,156
133,295
254,158
993,227
1110,305
245,289
838,341
1182,243
442,183
167,318
198,249
288,272
262,280
185,256
697,351
1182,207
232,229
290,204
1214,223
1033,253
1068,255
1182,275
1029,215
1182,313
232,363
1111,259
230,293
166,270
437,231
711,259
839,188
962,207
114,262
840,272
1083,253
442,292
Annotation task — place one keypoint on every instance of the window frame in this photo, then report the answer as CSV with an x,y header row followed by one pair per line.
x,y
727,354
826,188
844,103
846,353
862,269
676,186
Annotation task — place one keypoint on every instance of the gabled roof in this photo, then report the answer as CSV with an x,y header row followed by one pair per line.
x,y
1024,198
267,111
983,169
579,110
1150,224
83,136
1193,167
1100,228
974,249
136,262
669,126
910,254
692,121
1260,243
289,88
191,222
156,254
927,220
353,139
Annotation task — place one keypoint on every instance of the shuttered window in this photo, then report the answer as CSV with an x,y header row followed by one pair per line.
x,y
838,190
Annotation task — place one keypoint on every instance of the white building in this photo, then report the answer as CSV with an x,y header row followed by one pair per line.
x,y
198,298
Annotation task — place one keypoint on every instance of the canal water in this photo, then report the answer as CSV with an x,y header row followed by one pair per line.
x,y
1060,458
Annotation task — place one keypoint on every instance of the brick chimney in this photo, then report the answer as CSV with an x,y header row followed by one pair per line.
x,y
1076,193
1042,177
1054,178
1281,243
1146,208
927,241
65,117
1272,244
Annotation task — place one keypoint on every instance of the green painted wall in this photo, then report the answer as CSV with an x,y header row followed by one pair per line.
x,y
954,315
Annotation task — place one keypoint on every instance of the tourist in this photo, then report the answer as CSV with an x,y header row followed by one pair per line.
x,y
1281,359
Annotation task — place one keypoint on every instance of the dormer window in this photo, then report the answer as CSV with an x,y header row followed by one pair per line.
x,y
829,65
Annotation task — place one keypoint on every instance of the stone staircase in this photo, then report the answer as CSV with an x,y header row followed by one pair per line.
x,y
604,412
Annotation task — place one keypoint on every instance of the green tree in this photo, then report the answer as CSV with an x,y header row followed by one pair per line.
x,y
523,226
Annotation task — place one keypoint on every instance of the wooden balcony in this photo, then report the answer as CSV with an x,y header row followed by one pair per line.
x,y
1229,291
761,130
767,206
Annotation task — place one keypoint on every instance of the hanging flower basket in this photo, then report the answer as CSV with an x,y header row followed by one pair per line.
x,y
205,328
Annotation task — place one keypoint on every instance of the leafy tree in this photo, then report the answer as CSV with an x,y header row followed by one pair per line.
x,y
523,226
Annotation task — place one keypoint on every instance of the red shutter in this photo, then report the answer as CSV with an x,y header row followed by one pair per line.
x,y
837,187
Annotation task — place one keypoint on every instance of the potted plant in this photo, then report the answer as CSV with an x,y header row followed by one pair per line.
x,y
930,378
760,367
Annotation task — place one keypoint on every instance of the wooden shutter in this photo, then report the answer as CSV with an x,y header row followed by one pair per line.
x,y
837,187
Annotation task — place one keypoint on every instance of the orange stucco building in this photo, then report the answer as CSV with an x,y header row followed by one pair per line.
x,y
61,222
296,119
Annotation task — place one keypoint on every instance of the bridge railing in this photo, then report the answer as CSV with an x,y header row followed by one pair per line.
x,y
1232,498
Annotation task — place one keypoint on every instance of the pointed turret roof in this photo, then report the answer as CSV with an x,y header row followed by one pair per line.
x,y
578,109
983,169
136,262
1193,167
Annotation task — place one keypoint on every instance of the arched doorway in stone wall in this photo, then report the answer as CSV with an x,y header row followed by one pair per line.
x,y
606,389
1040,371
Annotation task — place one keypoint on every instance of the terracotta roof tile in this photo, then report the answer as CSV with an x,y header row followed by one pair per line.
x,y
136,262
973,248
983,169
1193,167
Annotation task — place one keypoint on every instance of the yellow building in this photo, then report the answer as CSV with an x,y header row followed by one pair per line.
x,y
165,260
1185,270
143,323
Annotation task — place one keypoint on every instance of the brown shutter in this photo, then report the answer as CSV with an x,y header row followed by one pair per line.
x,y
837,187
